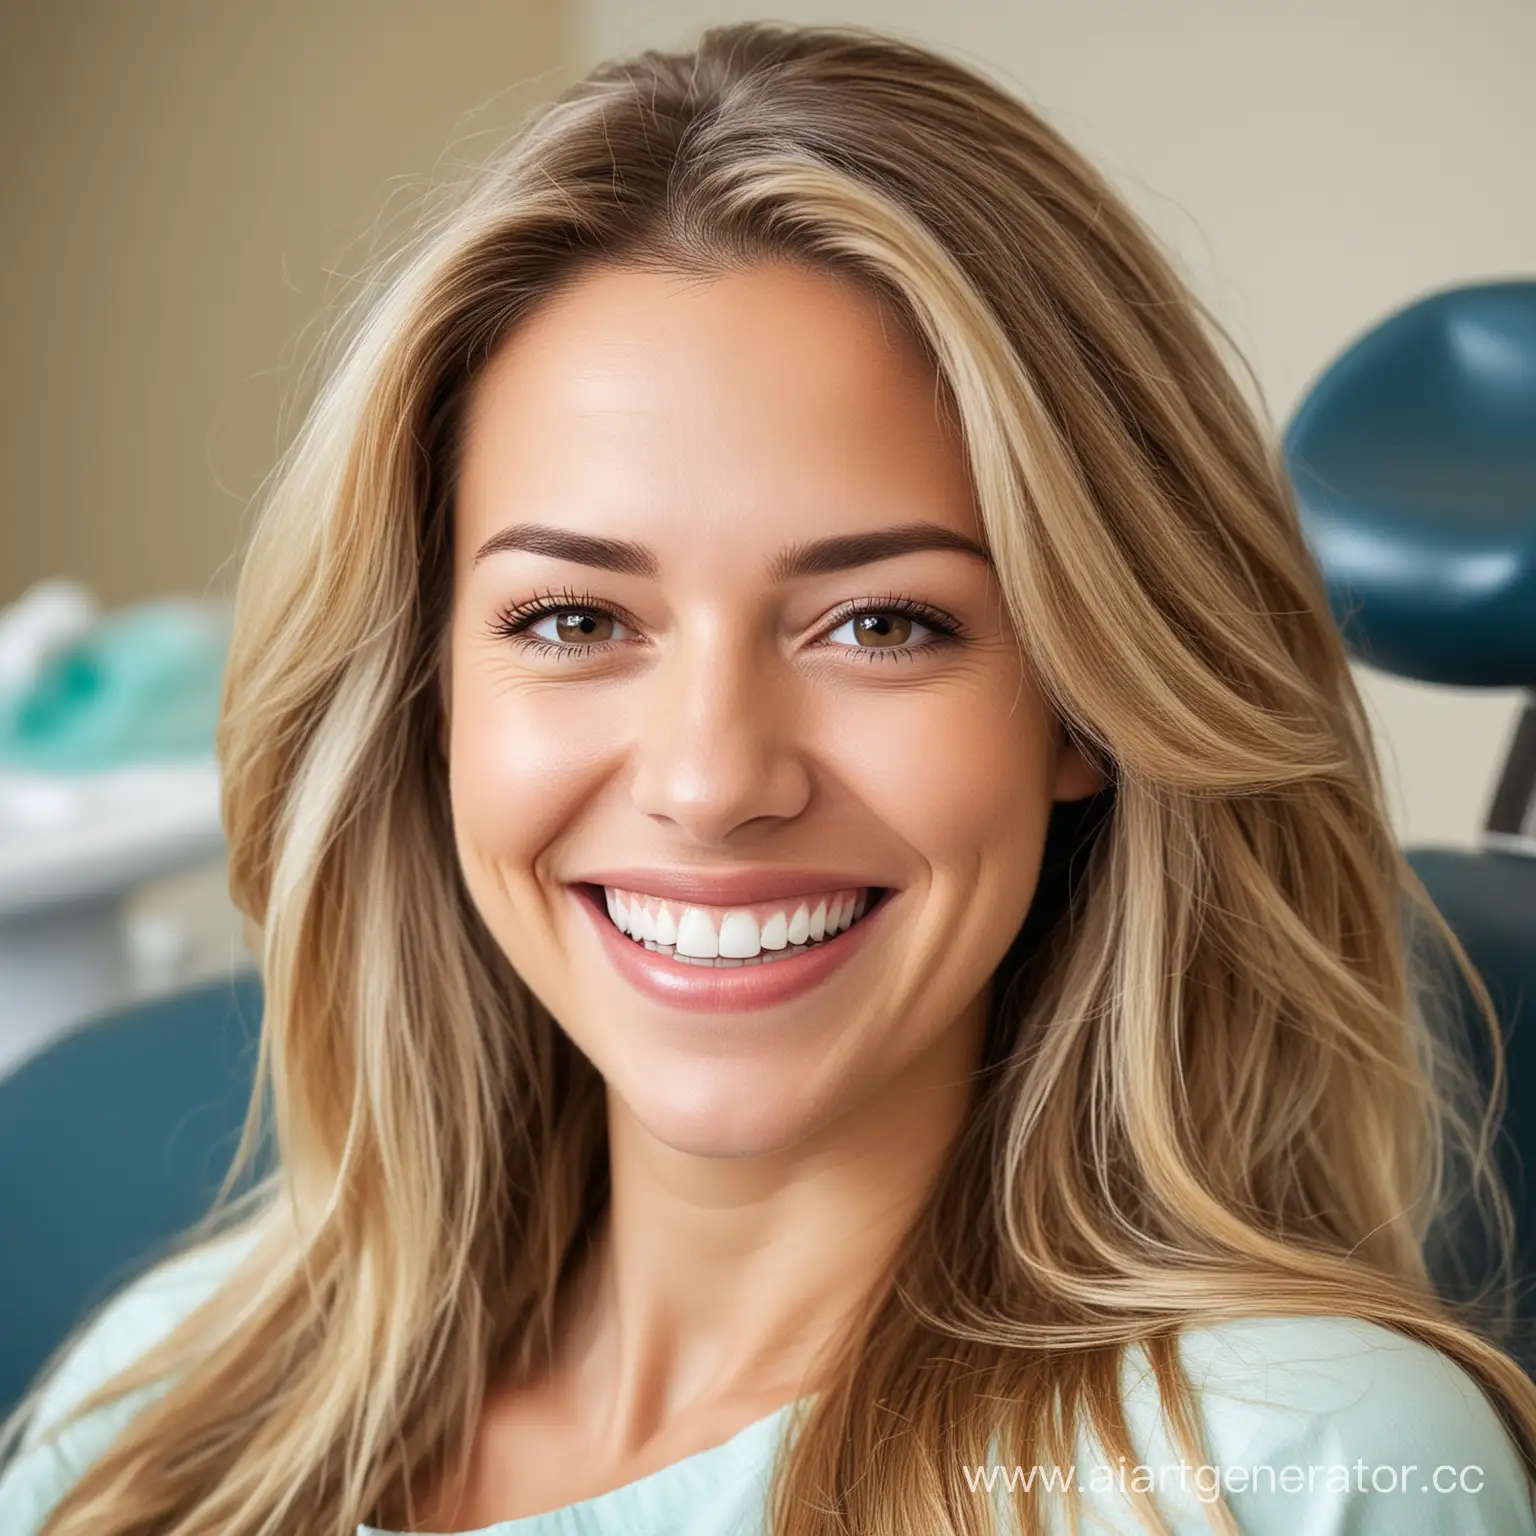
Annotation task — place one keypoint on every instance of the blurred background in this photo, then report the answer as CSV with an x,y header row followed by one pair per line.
x,y
188,185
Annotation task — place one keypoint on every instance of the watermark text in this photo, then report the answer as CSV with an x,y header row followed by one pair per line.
x,y
1207,1483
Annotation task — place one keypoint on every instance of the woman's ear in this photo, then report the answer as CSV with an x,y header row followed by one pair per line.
x,y
1077,774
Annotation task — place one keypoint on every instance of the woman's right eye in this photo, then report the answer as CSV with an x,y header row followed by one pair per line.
x,y
575,626
560,624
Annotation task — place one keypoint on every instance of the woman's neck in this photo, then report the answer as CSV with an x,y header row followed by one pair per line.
x,y
714,1286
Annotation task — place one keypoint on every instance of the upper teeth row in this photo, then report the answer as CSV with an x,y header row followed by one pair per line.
x,y
734,933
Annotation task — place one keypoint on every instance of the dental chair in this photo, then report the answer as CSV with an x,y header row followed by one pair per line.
x,y
113,1140
1413,460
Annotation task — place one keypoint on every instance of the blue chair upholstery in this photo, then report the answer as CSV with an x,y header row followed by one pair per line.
x,y
112,1142
1413,460
1489,899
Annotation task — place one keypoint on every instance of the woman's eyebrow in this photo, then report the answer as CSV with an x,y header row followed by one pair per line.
x,y
816,557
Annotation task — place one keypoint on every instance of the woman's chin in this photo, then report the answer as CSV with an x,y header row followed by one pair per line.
x,y
719,1110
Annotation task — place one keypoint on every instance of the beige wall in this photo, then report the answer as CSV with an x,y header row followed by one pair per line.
x,y
178,177
1312,163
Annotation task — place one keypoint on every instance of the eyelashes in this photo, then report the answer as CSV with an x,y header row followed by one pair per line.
x,y
514,622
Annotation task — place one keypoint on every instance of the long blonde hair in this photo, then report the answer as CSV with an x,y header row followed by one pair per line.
x,y
1210,1089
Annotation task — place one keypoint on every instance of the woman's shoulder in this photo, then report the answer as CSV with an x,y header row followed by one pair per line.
x,y
1330,1424
51,1454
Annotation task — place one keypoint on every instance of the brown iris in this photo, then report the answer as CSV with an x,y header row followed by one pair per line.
x,y
882,629
583,626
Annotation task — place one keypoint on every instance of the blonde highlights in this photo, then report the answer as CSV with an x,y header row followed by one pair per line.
x,y
1211,1088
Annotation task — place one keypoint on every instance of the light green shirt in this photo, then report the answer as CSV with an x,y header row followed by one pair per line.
x,y
1318,1426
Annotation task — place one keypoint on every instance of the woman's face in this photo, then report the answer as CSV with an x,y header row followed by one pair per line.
x,y
726,643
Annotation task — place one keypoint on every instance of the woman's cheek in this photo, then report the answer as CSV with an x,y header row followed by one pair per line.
x,y
520,769
952,773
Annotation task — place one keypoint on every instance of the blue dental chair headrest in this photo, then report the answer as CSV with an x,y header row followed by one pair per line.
x,y
1414,465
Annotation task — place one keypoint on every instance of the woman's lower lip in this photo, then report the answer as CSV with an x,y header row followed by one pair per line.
x,y
724,989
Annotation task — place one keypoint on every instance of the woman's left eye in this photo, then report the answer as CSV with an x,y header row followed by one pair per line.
x,y
883,629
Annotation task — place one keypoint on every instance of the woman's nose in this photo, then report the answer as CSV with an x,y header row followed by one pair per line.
x,y
719,740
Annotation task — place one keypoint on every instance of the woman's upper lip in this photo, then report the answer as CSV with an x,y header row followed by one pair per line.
x,y
727,887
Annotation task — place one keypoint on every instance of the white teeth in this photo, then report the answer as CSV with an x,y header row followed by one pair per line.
x,y
696,935
800,925
739,936
690,933
666,924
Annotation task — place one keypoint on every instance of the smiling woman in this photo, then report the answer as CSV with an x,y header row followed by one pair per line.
x,y
749,721
831,943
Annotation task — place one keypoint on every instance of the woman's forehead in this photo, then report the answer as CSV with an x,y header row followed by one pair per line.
x,y
770,400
